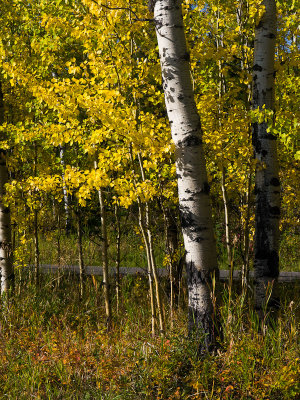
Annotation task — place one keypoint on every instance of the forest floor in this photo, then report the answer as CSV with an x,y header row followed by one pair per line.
x,y
54,345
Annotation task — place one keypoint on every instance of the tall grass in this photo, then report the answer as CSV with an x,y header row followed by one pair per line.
x,y
54,345
66,252
133,253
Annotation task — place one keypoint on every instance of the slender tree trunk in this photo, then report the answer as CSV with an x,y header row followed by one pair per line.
x,y
193,187
58,237
35,225
36,249
65,193
222,91
226,218
106,284
118,249
267,185
80,253
6,264
171,239
58,241
147,248
154,271
245,267
242,13
152,257
149,264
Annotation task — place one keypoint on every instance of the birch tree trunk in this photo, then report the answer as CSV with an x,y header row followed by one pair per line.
x,y
267,185
6,265
246,239
171,239
226,219
147,248
65,193
193,187
35,225
149,266
106,283
104,251
118,255
152,257
82,271
36,248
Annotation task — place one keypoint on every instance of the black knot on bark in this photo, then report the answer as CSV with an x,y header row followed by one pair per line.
x,y
257,67
190,141
186,218
273,264
270,36
275,210
185,57
274,182
255,141
206,188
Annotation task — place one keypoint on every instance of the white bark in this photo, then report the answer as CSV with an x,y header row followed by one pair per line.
x,y
147,248
118,255
6,266
104,240
80,253
65,193
5,232
152,257
193,188
267,186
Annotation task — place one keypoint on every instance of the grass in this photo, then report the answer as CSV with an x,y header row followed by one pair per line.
x,y
133,253
132,250
54,345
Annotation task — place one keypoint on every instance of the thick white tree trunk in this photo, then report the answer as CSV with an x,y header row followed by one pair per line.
x,y
6,266
193,188
267,186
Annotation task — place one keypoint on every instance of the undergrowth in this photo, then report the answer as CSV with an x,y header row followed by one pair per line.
x,y
63,250
54,345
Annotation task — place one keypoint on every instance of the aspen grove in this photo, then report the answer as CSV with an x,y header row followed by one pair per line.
x,y
158,135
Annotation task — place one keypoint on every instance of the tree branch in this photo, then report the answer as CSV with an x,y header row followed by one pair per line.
x,y
128,9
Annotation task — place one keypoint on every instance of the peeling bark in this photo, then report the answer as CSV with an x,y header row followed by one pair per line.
x,y
267,186
193,187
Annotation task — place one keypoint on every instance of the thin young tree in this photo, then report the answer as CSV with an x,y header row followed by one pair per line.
x,y
104,250
267,185
82,271
6,265
143,230
36,223
193,187
118,253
